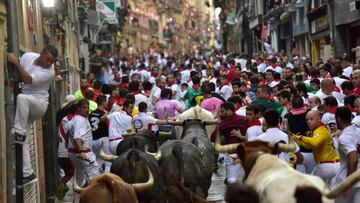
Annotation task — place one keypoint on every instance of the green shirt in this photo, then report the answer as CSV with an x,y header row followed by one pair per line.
x,y
78,94
190,95
268,104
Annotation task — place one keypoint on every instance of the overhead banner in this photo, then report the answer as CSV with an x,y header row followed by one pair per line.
x,y
107,10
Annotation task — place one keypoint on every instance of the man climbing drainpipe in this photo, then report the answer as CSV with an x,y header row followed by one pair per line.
x,y
36,71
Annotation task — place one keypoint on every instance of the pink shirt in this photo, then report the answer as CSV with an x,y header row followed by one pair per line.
x,y
211,104
168,106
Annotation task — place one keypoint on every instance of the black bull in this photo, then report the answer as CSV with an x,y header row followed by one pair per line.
x,y
194,132
131,166
183,172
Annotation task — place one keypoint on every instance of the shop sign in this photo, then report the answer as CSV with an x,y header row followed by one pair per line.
x,y
107,9
320,24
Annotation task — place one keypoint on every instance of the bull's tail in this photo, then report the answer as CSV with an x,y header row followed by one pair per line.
x,y
307,194
177,151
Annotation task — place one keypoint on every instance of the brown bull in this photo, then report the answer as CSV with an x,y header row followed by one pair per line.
x,y
110,188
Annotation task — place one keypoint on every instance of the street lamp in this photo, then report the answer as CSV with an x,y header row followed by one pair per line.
x,y
48,3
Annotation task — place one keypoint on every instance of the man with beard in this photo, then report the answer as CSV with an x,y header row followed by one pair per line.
x,y
79,94
230,124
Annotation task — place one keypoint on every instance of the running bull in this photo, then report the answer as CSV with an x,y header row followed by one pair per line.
x,y
132,166
183,172
194,132
139,141
275,181
108,188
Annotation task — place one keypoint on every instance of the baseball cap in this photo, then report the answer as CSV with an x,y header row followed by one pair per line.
x,y
68,99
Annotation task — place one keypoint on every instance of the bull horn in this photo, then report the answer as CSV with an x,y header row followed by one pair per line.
x,y
287,147
230,148
107,157
164,134
128,134
214,122
76,187
156,155
345,185
179,123
139,187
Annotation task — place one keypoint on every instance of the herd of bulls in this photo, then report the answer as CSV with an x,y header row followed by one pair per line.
x,y
181,170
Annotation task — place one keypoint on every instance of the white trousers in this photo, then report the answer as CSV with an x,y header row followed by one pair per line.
x,y
308,165
234,172
113,145
352,196
326,171
97,145
84,170
28,109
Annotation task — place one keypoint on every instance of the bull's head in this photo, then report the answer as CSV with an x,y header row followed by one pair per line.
x,y
107,188
138,187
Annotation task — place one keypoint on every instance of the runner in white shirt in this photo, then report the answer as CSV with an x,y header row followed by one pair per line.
x,y
156,90
356,120
120,123
175,89
225,89
274,134
145,121
349,142
254,124
36,73
327,89
80,151
134,87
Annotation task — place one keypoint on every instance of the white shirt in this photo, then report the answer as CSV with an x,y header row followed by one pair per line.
x,y
329,120
226,91
272,83
155,92
347,71
41,77
119,123
176,88
339,96
144,121
349,140
66,124
253,132
241,111
338,81
261,68
276,135
144,75
356,121
185,75
80,129
139,98
277,69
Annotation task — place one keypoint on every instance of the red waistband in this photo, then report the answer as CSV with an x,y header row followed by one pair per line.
x,y
330,162
114,139
76,151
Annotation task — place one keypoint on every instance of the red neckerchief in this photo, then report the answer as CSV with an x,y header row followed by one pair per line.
x,y
135,93
286,104
83,90
320,124
254,123
331,109
171,84
121,101
353,109
196,87
337,89
78,113
273,65
270,98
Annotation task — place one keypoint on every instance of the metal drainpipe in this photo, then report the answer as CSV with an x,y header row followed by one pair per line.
x,y
11,87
